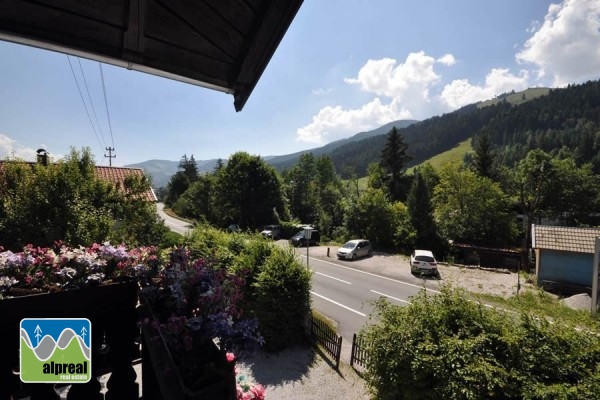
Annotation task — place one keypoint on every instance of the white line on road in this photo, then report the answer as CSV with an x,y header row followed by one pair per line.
x,y
339,304
391,297
378,276
333,277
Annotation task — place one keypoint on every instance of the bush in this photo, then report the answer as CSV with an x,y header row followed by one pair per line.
x,y
448,347
281,293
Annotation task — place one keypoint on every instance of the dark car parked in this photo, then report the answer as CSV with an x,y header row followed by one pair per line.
x,y
300,240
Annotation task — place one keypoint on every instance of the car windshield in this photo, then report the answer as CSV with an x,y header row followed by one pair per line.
x,y
349,245
425,258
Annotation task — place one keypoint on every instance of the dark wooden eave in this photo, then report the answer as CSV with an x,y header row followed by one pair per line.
x,y
220,44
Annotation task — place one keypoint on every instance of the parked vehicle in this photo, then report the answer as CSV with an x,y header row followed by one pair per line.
x,y
300,240
423,262
354,249
271,232
233,228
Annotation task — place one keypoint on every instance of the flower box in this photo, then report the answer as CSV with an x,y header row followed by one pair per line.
x,y
212,378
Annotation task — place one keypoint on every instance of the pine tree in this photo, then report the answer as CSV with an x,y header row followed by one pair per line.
x,y
393,161
485,155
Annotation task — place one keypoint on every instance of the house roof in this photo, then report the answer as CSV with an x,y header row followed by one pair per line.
x,y
220,44
563,238
117,176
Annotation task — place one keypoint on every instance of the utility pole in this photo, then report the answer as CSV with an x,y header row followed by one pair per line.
x,y
110,155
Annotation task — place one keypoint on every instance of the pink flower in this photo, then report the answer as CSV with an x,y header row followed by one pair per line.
x,y
258,391
230,357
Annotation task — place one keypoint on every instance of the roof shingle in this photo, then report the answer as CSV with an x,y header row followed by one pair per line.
x,y
117,176
563,238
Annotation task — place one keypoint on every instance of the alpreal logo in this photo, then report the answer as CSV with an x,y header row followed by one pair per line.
x,y
56,350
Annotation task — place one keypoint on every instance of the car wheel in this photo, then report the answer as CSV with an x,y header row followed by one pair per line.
x,y
354,256
370,253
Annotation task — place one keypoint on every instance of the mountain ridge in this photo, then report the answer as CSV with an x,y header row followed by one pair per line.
x,y
354,146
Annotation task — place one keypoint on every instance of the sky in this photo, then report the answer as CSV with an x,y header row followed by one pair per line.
x,y
343,67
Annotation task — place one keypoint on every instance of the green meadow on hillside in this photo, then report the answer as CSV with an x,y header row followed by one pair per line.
x,y
454,154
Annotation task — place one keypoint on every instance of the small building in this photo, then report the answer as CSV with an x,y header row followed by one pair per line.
x,y
488,257
564,257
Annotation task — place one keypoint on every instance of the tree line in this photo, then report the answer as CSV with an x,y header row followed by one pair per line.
x,y
476,200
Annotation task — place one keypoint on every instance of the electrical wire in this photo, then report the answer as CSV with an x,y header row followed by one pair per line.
x,y
84,105
91,102
106,105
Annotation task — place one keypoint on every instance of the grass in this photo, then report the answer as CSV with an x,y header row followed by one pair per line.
x,y
517,98
542,304
456,153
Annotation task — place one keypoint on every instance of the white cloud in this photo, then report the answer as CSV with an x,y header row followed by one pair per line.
x,y
566,47
321,91
406,84
334,123
386,77
10,148
460,92
447,59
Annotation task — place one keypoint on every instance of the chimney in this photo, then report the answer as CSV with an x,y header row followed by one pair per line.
x,y
42,157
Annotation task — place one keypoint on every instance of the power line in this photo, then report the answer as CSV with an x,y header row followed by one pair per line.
x,y
106,104
91,102
83,101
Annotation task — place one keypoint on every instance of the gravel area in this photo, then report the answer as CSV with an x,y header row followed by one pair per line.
x,y
302,373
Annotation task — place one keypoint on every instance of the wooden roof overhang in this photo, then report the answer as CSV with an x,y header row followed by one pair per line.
x,y
220,44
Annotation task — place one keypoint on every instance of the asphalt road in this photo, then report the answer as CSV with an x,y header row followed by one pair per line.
x,y
346,294
344,290
176,225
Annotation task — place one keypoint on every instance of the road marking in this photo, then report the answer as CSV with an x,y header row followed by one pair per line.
x,y
372,274
391,297
333,277
339,304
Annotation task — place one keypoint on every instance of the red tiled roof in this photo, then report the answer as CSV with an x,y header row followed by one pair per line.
x,y
117,176
563,238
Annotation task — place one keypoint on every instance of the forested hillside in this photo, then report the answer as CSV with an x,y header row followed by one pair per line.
x,y
566,120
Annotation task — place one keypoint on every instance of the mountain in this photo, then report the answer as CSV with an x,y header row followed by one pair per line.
x,y
286,161
162,170
565,120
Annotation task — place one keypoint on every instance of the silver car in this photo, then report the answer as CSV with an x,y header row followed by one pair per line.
x,y
354,249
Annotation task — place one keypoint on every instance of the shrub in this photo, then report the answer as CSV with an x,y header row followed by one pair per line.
x,y
446,346
281,295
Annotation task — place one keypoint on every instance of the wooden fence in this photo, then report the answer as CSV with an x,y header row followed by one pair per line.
x,y
328,339
359,354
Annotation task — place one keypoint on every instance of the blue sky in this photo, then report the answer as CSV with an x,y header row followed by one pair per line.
x,y
344,66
